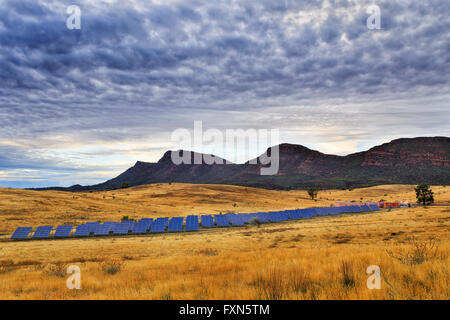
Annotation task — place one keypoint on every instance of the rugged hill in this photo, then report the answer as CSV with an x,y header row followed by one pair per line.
x,y
401,161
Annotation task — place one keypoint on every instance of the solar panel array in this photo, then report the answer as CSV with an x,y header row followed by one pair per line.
x,y
207,221
159,225
123,228
42,232
191,223
21,233
221,221
63,231
83,230
142,226
175,224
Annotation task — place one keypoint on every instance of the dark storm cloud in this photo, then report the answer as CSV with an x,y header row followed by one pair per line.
x,y
138,68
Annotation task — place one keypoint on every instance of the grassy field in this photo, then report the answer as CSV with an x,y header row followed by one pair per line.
x,y
319,258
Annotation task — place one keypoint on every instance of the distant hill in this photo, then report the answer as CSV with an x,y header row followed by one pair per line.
x,y
401,161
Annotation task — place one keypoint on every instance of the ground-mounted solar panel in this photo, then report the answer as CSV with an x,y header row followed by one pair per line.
x,y
264,217
334,211
221,220
207,221
82,230
365,208
247,217
374,207
323,211
272,216
176,224
146,222
21,233
159,225
140,227
127,224
308,213
92,226
121,229
284,216
345,209
294,214
236,220
191,223
63,231
103,229
42,232
228,216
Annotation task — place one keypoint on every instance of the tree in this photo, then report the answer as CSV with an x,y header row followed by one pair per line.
x,y
424,194
124,185
255,222
313,193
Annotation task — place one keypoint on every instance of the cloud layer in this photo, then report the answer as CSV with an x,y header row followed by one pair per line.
x,y
96,99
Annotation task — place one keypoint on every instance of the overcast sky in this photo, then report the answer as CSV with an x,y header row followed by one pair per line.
x,y
81,106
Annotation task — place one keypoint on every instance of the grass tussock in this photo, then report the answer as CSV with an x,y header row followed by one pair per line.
x,y
112,267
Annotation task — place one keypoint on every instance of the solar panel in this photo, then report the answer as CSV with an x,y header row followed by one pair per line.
x,y
82,231
92,226
236,220
263,217
146,222
63,231
247,217
284,216
207,221
159,225
294,214
228,216
374,207
42,232
365,208
128,224
121,228
141,227
21,233
103,229
307,213
221,221
176,224
191,223
322,211
313,212
332,211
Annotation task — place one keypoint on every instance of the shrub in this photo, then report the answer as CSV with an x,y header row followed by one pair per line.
x,y
112,267
417,253
255,222
313,193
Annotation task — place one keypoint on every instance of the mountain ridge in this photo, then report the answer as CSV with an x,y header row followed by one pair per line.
x,y
404,160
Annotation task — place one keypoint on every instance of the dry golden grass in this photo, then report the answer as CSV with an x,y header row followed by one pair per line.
x,y
319,258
